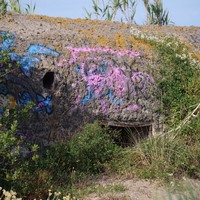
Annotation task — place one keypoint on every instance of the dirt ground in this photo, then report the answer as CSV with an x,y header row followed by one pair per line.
x,y
135,189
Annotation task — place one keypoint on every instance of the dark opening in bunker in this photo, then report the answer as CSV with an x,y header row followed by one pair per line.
x,y
129,136
48,80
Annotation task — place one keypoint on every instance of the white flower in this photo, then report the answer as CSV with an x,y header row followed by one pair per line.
x,y
168,44
67,197
184,50
176,43
7,195
172,183
142,36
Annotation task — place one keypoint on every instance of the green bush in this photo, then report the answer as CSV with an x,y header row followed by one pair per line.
x,y
87,152
92,148
93,151
156,13
15,149
180,81
177,75
66,163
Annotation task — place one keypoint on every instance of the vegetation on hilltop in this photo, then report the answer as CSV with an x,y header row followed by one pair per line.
x,y
126,9
112,10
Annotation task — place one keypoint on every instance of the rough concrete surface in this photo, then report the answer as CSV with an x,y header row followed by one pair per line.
x,y
76,71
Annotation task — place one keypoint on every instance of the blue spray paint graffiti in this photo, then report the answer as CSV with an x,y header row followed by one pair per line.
x,y
42,103
29,58
42,50
27,62
3,89
25,98
98,71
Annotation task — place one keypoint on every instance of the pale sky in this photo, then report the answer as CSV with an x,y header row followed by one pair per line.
x,y
181,12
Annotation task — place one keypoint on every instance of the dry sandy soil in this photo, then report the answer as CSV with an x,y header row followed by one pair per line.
x,y
135,189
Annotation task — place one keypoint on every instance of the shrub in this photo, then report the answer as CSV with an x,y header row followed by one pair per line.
x,y
177,75
92,148
86,153
16,153
67,163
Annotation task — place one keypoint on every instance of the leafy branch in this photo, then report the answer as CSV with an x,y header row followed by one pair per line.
x,y
156,13
16,6
112,8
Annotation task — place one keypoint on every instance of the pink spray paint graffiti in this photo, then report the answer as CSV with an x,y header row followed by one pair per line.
x,y
106,78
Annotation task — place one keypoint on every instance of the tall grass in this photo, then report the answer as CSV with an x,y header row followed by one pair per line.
x,y
15,6
163,157
175,153
188,190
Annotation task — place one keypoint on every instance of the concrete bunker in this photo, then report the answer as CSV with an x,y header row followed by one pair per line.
x,y
80,86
